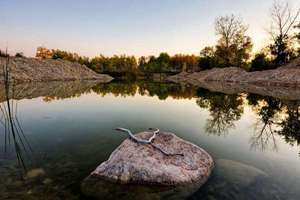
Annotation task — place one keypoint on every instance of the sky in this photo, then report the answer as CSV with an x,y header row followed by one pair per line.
x,y
132,27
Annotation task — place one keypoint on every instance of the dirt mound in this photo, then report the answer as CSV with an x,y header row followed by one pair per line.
x,y
288,75
293,64
33,70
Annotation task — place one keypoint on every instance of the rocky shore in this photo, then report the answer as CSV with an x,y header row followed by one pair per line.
x,y
285,76
37,70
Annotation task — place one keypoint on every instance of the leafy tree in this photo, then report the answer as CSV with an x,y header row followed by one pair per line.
x,y
141,63
168,64
260,62
282,50
298,37
298,34
234,47
163,62
84,61
116,65
181,62
3,54
19,54
207,58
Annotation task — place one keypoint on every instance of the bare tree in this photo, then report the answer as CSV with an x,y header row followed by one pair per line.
x,y
284,18
230,29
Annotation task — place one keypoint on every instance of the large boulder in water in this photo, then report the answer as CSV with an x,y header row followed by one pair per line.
x,y
147,164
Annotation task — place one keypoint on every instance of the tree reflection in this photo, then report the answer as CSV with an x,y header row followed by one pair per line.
x,y
276,117
161,90
263,137
165,90
267,108
290,126
123,89
224,110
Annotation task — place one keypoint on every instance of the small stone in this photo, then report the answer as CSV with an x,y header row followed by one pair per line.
x,y
18,183
35,173
47,181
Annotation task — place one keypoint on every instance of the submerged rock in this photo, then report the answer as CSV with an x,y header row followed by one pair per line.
x,y
233,180
145,164
238,173
101,189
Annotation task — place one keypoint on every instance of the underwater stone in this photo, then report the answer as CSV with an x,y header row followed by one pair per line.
x,y
35,173
238,173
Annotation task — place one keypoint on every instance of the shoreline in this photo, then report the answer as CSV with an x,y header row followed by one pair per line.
x,y
284,76
283,82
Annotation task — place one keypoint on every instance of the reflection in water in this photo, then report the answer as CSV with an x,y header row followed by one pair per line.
x,y
275,117
50,91
263,137
76,137
290,125
13,132
224,110
161,90
116,88
268,109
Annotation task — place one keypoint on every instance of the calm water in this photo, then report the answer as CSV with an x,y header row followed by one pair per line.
x,y
69,129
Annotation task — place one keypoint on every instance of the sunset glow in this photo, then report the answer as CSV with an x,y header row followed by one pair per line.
x,y
125,27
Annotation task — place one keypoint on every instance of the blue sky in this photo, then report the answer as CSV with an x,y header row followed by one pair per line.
x,y
133,27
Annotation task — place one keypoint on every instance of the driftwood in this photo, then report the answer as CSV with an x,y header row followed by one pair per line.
x,y
149,141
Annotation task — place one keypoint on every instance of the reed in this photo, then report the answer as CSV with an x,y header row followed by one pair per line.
x,y
13,132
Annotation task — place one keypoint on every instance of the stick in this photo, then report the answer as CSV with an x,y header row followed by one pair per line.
x,y
149,141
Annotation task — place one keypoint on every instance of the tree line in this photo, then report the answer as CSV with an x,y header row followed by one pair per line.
x,y
129,65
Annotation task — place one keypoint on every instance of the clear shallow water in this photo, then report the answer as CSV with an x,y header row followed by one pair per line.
x,y
69,126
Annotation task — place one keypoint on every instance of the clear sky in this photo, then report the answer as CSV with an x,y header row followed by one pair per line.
x,y
133,27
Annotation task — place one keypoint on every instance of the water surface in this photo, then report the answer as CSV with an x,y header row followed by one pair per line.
x,y
69,127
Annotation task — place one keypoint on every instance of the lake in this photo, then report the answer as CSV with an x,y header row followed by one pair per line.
x,y
66,129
